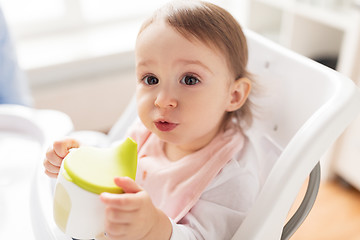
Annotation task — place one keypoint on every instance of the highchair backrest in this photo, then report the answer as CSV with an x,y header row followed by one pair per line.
x,y
301,109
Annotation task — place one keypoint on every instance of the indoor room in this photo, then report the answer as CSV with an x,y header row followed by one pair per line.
x,y
78,67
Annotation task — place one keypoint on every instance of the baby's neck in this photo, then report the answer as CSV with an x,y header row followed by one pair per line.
x,y
175,153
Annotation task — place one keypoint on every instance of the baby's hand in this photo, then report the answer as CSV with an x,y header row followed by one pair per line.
x,y
132,215
56,154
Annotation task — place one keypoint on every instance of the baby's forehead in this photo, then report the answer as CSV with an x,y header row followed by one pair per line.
x,y
179,45
195,38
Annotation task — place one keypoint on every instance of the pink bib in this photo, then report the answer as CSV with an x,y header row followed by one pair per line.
x,y
175,187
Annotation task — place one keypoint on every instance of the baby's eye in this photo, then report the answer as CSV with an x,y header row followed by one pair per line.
x,y
150,80
189,80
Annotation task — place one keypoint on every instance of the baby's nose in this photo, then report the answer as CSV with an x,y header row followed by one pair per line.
x,y
166,99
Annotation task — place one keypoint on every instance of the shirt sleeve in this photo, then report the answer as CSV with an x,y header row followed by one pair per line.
x,y
223,205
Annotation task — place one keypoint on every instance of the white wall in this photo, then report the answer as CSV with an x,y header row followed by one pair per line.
x,y
93,103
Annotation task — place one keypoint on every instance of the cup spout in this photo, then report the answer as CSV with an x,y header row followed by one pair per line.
x,y
127,156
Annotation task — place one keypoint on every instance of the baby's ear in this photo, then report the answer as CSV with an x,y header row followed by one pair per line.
x,y
239,92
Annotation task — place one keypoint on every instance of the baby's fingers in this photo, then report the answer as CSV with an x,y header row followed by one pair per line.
x,y
51,168
61,148
121,202
52,164
114,215
52,159
52,174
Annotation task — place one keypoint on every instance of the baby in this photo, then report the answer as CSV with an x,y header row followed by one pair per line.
x,y
192,97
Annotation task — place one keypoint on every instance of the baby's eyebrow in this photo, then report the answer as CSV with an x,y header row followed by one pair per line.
x,y
195,62
144,63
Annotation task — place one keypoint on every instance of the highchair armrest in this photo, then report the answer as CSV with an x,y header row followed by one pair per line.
x,y
306,205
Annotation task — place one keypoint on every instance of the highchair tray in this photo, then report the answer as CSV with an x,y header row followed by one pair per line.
x,y
24,134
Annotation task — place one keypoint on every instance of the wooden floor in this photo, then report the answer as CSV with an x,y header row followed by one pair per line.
x,y
335,215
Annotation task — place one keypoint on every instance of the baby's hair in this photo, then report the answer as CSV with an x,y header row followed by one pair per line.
x,y
217,28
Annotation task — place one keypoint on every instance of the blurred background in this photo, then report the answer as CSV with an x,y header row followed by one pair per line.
x,y
78,54
78,57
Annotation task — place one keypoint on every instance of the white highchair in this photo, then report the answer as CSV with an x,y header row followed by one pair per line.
x,y
305,107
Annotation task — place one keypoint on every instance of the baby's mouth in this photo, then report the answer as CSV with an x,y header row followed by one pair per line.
x,y
165,126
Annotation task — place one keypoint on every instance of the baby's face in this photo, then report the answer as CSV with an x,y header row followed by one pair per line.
x,y
183,88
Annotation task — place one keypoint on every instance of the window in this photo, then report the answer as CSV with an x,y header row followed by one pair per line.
x,y
39,17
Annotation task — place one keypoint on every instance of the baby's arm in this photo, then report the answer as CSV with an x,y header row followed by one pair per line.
x,y
132,215
56,154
